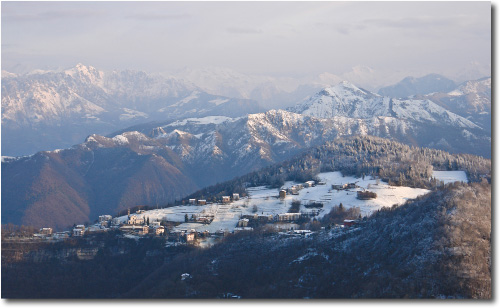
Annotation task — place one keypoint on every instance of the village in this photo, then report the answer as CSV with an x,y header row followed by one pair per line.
x,y
139,225
285,211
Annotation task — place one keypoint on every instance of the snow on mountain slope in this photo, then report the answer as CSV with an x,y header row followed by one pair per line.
x,y
347,100
340,110
471,100
83,100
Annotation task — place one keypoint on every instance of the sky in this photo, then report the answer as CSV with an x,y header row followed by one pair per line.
x,y
263,38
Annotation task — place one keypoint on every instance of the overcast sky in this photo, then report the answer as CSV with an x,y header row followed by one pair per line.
x,y
278,38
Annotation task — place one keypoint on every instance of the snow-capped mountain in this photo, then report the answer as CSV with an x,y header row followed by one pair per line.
x,y
58,109
421,121
347,100
471,100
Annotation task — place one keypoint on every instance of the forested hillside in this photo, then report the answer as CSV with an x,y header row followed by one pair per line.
x,y
393,162
438,246
435,247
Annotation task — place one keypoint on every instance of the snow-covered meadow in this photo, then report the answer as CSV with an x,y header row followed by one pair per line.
x,y
450,176
266,201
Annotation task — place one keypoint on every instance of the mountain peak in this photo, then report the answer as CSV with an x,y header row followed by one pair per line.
x,y
88,73
342,88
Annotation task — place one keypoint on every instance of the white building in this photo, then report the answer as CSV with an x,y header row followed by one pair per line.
x,y
105,218
141,230
310,183
160,230
243,222
79,230
135,220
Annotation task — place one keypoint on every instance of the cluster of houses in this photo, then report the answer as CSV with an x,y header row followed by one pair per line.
x,y
224,199
344,186
256,219
294,190
136,224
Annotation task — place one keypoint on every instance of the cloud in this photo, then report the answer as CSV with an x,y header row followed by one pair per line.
x,y
52,15
156,16
412,22
238,30
345,28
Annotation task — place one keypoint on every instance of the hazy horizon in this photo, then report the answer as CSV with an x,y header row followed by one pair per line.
x,y
367,42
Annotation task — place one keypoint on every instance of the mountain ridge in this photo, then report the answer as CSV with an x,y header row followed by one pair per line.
x,y
58,109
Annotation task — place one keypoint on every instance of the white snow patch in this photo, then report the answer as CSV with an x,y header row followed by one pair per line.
x,y
450,176
187,99
120,139
7,159
204,120
219,101
131,114
456,93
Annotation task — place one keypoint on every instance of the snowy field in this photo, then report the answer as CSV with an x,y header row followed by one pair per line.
x,y
266,200
450,176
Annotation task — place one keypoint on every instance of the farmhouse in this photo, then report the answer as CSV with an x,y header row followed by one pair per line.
x,y
309,183
349,222
202,202
243,222
339,186
282,194
236,197
192,201
46,231
159,230
352,185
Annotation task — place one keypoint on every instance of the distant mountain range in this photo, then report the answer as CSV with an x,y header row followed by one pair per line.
x,y
157,162
424,85
47,110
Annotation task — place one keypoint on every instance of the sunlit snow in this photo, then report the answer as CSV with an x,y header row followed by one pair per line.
x,y
450,176
266,200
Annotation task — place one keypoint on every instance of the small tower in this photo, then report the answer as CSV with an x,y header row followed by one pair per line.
x,y
128,213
